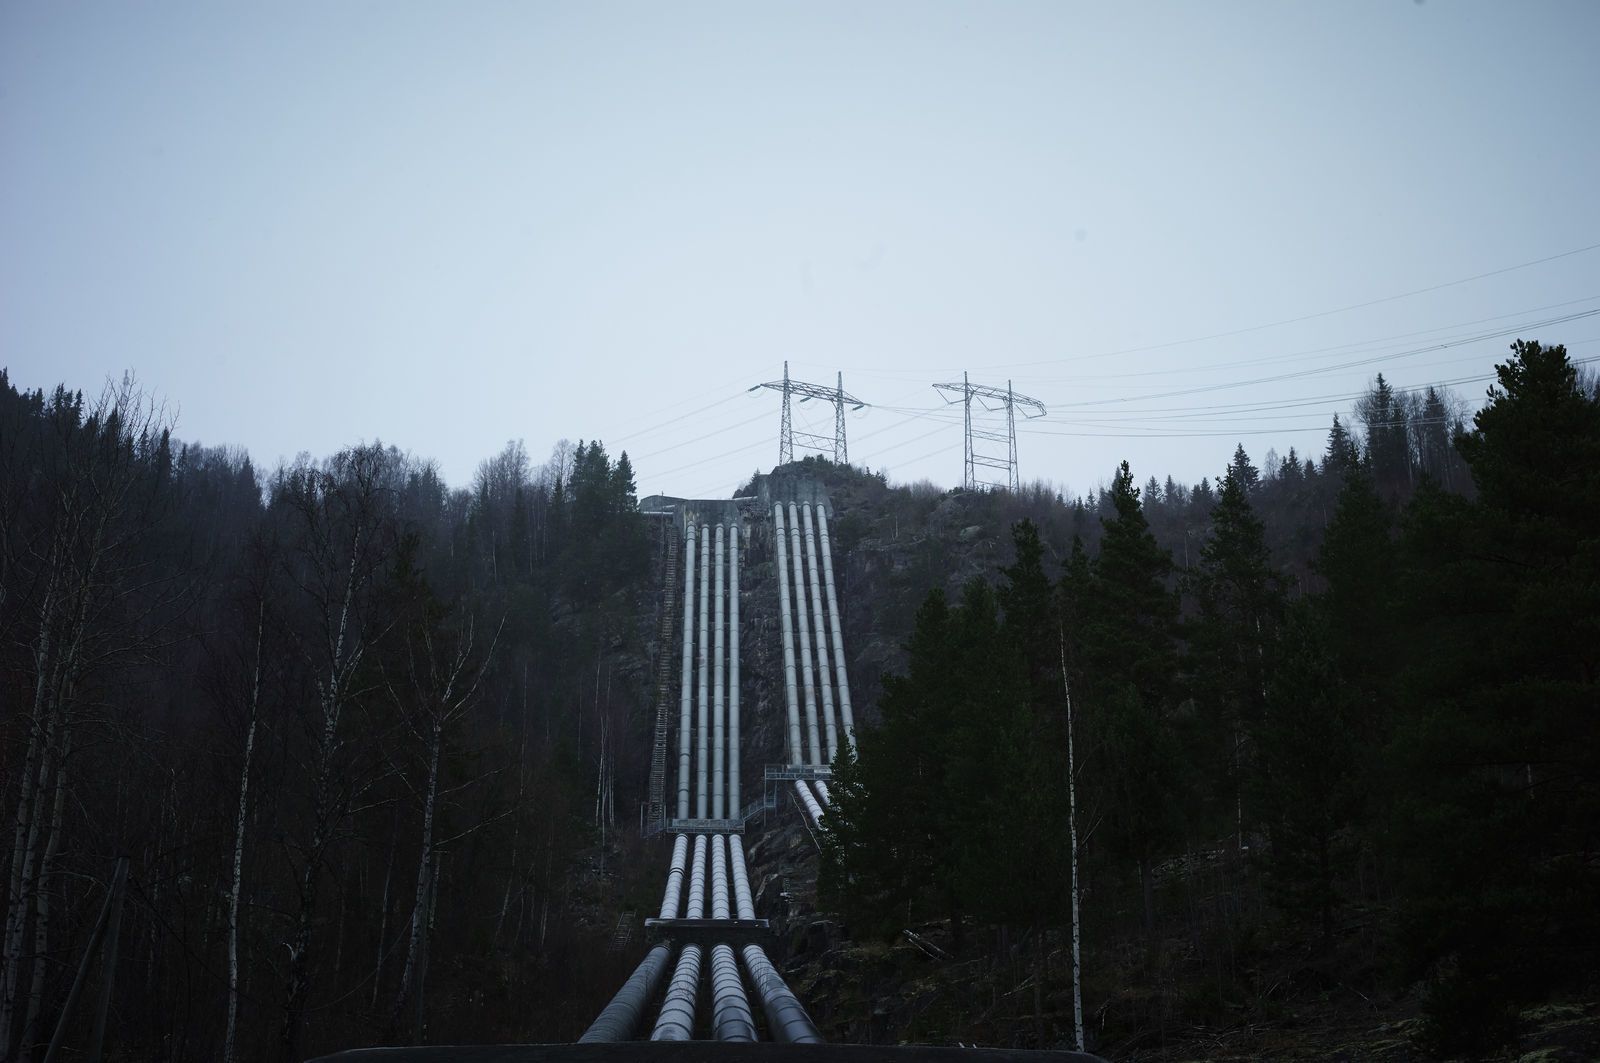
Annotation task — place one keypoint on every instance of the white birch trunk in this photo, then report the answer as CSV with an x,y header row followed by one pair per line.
x,y
23,900
341,662
383,922
41,925
419,910
238,847
1072,830
516,824
25,823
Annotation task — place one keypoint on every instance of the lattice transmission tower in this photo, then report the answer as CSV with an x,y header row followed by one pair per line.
x,y
990,400
787,436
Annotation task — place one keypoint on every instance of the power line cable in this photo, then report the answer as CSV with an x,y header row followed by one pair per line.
x,y
1315,351
1443,345
1310,317
1264,406
701,438
1260,327
1179,435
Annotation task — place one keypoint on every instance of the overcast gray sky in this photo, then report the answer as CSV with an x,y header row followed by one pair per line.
x,y
450,225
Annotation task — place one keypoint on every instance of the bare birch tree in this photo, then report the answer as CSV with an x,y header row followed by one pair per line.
x,y
343,528
442,673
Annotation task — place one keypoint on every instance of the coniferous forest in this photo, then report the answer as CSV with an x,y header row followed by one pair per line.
x,y
375,745
1383,754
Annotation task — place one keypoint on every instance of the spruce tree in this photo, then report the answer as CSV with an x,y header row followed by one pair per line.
x,y
889,851
1357,560
1238,605
1388,449
1342,452
1130,665
1305,781
1026,596
1240,468
1501,744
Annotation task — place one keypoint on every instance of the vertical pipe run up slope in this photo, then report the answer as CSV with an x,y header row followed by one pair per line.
x,y
835,623
686,700
791,698
814,745
734,807
719,740
675,1022
704,708
824,680
725,883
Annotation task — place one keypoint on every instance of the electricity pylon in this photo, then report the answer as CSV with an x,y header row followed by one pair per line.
x,y
811,440
1002,399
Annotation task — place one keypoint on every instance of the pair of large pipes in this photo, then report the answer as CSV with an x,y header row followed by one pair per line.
x,y
718,713
810,576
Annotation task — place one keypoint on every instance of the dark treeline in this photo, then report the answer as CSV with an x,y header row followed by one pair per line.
x,y
1401,438
356,731
1370,735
